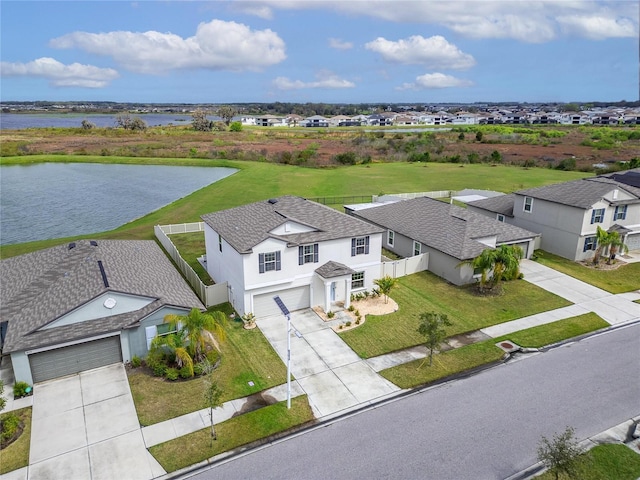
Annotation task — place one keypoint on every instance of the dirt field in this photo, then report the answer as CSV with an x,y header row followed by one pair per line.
x,y
319,148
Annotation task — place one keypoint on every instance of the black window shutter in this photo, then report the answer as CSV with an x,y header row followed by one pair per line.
x,y
593,216
261,262
278,263
315,253
353,247
366,244
300,255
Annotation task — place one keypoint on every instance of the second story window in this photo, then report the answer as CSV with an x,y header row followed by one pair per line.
x,y
308,254
528,204
620,213
597,215
268,262
359,246
390,235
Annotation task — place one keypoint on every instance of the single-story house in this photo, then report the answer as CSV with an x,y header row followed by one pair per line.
x,y
306,253
86,304
448,233
568,214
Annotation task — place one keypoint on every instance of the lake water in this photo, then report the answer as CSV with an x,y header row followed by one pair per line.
x,y
54,200
16,121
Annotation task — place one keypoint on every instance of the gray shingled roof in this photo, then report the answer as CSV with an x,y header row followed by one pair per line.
x,y
581,193
39,287
246,226
448,228
334,269
502,204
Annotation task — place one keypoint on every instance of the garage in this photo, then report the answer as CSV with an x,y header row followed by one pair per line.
x,y
633,242
75,358
293,298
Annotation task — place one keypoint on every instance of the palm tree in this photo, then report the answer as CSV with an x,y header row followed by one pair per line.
x,y
386,284
483,263
603,240
616,245
502,263
175,343
199,329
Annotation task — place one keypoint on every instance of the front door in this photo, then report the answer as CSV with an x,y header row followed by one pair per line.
x,y
333,291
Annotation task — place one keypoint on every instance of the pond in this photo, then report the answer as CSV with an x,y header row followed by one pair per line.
x,y
53,200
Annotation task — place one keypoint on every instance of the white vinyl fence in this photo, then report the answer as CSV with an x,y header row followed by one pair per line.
x,y
209,294
405,266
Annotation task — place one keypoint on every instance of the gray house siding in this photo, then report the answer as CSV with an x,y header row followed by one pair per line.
x,y
137,339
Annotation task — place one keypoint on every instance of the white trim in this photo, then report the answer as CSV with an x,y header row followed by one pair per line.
x,y
68,344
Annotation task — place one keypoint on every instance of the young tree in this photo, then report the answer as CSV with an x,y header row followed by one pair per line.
x,y
559,454
432,328
386,284
212,396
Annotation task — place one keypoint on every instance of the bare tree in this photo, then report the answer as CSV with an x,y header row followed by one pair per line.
x,y
226,113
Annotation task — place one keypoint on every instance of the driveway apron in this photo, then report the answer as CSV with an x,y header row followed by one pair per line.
x,y
332,375
85,426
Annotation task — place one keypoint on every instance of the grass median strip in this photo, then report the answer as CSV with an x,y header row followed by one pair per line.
x,y
246,357
233,433
418,372
16,455
604,462
425,292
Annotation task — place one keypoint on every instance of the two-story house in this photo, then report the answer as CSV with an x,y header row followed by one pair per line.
x,y
306,253
568,214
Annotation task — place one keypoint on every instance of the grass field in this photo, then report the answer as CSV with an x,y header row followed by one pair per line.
x,y
16,455
258,181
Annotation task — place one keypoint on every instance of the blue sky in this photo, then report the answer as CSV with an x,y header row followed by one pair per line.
x,y
347,51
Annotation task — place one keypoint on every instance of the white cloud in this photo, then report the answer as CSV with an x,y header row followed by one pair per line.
x,y
261,11
532,21
59,74
324,80
597,27
216,45
435,52
340,44
435,80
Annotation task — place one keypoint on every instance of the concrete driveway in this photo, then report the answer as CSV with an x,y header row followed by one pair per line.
x,y
85,426
333,376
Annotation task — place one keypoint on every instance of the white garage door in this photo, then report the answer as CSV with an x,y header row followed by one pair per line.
x,y
294,299
75,358
633,242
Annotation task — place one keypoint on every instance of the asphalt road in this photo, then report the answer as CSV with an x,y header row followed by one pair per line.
x,y
483,427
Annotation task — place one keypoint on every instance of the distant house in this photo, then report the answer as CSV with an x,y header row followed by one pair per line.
x,y
448,233
87,304
315,121
305,253
567,214
271,121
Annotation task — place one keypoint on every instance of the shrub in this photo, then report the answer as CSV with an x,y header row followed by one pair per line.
x,y
346,158
479,136
10,424
198,369
172,373
21,389
330,314
186,371
348,324
351,308
357,312
235,127
213,356
136,361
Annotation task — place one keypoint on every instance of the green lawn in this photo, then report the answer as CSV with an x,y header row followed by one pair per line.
x,y
258,181
425,292
235,432
16,455
246,356
625,278
604,462
191,246
418,372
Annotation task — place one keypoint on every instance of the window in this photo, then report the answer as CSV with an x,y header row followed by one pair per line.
x,y
219,242
597,215
590,243
500,217
268,262
164,329
620,213
359,246
417,248
390,236
528,204
357,280
308,254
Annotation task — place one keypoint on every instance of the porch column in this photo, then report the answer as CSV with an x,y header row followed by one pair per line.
x,y
347,289
327,296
